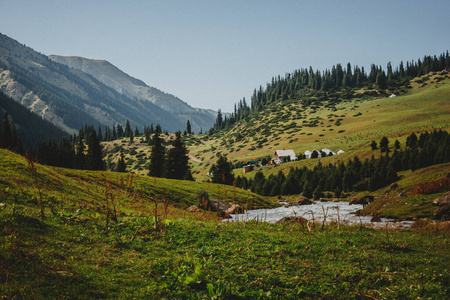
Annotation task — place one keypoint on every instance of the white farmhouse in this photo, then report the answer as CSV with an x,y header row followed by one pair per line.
x,y
285,155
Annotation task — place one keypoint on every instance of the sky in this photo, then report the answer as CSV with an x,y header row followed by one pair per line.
x,y
213,53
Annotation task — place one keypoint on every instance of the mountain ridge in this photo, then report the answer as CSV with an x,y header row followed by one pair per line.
x,y
69,98
131,87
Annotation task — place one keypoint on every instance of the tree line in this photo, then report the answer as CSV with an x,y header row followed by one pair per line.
x,y
83,151
338,78
355,175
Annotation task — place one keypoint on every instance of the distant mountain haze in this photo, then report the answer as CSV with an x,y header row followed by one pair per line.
x,y
100,95
131,87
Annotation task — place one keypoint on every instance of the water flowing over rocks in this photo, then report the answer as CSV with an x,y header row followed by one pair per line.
x,y
341,212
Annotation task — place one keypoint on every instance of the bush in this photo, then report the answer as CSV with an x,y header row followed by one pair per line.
x,y
203,199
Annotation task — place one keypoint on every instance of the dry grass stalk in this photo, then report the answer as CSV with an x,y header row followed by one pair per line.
x,y
324,216
165,203
33,172
110,208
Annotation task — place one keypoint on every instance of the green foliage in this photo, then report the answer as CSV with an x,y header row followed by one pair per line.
x,y
221,171
157,157
176,164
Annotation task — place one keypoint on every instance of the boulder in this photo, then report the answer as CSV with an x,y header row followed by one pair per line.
x,y
218,205
235,209
192,208
443,213
443,200
375,219
300,220
300,201
223,214
356,200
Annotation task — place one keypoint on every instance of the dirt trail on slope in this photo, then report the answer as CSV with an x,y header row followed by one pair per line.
x,y
194,158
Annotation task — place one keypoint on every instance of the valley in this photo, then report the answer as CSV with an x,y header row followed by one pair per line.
x,y
73,230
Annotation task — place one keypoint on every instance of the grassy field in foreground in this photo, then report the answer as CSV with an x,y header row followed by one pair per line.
x,y
68,257
100,236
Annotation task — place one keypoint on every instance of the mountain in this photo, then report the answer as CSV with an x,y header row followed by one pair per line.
x,y
68,97
135,88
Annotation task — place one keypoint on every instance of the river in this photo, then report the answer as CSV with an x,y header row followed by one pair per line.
x,y
334,211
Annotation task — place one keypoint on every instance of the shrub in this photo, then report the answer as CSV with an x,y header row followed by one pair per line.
x,y
203,199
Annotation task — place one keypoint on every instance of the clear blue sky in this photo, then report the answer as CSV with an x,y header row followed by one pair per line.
x,y
212,53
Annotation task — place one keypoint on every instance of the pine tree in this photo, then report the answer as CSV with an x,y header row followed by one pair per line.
x,y
222,171
374,145
121,166
381,79
131,136
114,133
128,131
156,166
384,144
94,156
188,127
6,137
80,159
158,129
177,161
120,133
219,120
100,135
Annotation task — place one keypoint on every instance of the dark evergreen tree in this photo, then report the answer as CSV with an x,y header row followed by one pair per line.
x,y
80,158
94,155
374,145
411,141
384,144
219,120
6,136
114,133
100,135
158,129
188,127
128,130
307,190
156,167
177,161
381,80
221,171
121,166
120,133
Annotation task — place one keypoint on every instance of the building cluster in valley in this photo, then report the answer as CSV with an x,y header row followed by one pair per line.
x,y
281,156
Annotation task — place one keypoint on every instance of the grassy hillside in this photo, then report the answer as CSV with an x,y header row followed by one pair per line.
x,y
75,188
98,238
350,125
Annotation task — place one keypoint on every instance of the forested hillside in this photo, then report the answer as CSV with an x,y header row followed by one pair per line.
x,y
331,87
26,125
